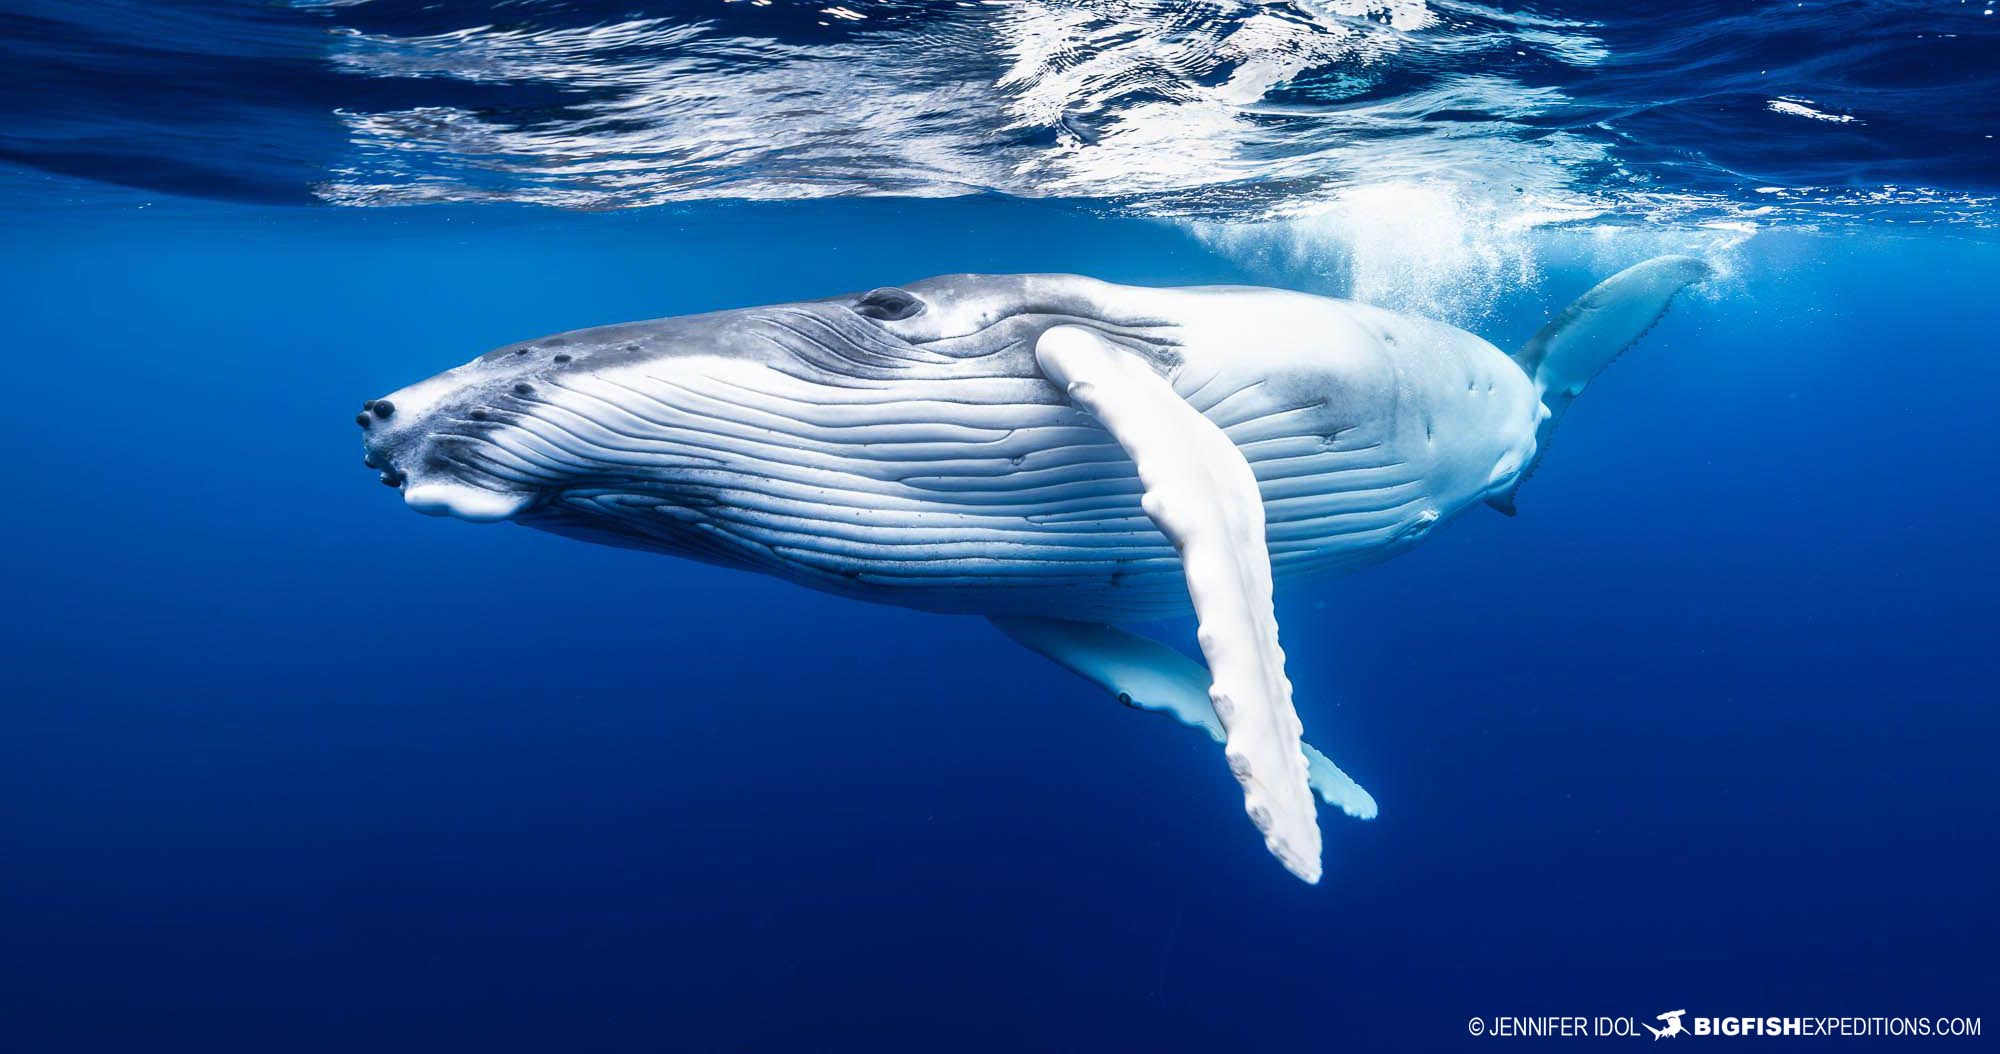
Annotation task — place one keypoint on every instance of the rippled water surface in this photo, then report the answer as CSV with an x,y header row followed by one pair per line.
x,y
1765,113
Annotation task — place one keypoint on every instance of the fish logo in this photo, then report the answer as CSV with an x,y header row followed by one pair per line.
x,y
1674,1026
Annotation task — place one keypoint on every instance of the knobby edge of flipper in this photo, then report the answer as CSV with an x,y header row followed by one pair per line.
x,y
1200,493
1148,675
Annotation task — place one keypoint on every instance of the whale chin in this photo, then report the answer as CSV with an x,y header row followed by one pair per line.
x,y
464,501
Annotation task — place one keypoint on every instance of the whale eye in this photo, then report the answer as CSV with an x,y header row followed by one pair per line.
x,y
888,304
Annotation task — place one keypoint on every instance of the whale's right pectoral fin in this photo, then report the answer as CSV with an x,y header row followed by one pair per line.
x,y
1202,495
1147,675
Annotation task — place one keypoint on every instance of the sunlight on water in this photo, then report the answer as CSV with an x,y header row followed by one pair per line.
x,y
1213,110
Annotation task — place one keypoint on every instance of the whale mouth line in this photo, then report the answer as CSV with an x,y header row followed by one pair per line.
x,y
464,501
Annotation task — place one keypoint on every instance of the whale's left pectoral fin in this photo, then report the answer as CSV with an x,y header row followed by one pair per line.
x,y
1204,498
1147,675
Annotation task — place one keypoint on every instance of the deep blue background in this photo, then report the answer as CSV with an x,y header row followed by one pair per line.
x,y
282,766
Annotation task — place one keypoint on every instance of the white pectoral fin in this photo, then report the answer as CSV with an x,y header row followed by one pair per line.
x,y
1146,674
1202,495
1140,672
1337,788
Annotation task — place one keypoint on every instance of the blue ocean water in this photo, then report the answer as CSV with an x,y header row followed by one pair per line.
x,y
1710,724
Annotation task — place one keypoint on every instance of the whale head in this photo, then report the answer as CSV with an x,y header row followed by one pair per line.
x,y
518,427
583,429
427,440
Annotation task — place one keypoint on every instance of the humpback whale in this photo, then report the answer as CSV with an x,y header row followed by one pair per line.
x,y
1055,453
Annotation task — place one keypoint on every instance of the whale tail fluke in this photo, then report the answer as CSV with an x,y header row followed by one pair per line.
x,y
1577,345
